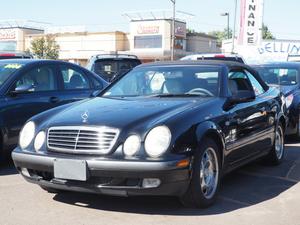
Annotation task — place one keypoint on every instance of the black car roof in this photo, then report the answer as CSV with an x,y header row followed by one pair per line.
x,y
193,62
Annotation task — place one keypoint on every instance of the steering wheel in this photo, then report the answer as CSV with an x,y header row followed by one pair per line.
x,y
200,91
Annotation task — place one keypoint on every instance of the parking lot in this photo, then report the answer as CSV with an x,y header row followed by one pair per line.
x,y
255,194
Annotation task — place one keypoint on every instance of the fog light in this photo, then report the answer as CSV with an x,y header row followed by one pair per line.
x,y
25,172
151,182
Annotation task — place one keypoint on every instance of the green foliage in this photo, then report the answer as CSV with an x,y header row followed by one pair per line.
x,y
45,47
266,33
221,35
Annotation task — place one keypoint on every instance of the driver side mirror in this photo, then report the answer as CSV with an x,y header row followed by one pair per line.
x,y
242,97
24,88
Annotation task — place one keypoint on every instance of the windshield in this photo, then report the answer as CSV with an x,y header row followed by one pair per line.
x,y
279,75
168,81
7,69
110,67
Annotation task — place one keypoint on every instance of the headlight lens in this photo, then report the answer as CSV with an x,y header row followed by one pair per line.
x,y
289,100
39,140
132,145
27,134
157,141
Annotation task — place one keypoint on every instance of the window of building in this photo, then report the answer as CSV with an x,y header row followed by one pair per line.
x,y
8,45
149,41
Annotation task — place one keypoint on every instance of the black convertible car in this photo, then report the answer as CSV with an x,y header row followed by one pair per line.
x,y
161,129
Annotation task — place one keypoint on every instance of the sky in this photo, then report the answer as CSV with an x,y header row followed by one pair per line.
x,y
280,16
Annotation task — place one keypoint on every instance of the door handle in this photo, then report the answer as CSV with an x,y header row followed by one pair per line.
x,y
54,99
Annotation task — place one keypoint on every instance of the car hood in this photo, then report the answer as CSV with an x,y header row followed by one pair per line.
x,y
120,113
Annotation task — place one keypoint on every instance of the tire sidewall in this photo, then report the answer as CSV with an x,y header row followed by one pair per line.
x,y
272,158
195,186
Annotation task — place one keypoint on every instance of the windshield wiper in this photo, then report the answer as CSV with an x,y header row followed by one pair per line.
x,y
174,95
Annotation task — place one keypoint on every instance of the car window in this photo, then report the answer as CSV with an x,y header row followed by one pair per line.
x,y
238,81
258,89
279,75
97,83
8,69
41,78
108,68
195,80
74,79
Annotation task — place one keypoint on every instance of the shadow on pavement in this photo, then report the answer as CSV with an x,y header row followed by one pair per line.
x,y
7,168
247,186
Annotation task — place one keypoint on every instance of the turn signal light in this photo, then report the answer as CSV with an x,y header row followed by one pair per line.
x,y
183,163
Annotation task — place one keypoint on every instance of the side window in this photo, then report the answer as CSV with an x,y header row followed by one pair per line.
x,y
238,81
258,89
97,84
40,78
74,79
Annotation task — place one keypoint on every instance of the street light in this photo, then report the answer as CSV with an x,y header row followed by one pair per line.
x,y
227,14
173,31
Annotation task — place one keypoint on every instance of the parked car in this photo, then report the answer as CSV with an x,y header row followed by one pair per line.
x,y
15,55
286,75
110,66
215,56
28,87
162,129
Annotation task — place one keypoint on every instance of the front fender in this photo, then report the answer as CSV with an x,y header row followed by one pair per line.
x,y
212,130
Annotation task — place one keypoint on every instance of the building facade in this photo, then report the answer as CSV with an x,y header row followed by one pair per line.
x,y
149,39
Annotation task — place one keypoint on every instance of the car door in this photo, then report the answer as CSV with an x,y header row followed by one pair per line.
x,y
42,95
250,131
75,84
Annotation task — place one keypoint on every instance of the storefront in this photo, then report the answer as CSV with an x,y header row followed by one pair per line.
x,y
151,39
13,39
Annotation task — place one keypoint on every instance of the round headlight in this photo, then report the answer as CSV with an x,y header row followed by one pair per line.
x,y
157,141
132,145
39,140
27,134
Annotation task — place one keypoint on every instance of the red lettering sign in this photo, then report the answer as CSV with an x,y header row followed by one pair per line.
x,y
148,29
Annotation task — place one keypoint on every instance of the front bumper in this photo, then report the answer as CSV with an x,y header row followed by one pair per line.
x,y
112,177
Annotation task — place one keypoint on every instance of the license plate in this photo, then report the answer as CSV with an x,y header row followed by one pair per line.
x,y
70,169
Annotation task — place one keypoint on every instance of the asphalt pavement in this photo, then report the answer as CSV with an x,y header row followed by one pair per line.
x,y
255,194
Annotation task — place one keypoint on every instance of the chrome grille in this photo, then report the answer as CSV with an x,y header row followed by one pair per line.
x,y
82,139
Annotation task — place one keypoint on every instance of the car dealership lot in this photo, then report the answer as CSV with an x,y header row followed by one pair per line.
x,y
255,194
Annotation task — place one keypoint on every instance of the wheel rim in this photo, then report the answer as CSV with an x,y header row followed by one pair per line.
x,y
279,143
209,173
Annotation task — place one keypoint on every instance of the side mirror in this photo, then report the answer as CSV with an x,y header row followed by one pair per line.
x,y
24,88
242,97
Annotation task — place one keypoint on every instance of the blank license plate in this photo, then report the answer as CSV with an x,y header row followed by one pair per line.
x,y
70,169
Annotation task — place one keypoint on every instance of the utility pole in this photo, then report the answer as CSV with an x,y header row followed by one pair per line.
x,y
234,25
227,14
173,31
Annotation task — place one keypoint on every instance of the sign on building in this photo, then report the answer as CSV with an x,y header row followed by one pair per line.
x,y
7,34
251,22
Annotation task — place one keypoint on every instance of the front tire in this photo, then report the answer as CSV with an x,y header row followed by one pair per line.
x,y
205,180
277,153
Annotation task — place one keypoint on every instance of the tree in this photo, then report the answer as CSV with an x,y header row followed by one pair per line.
x,y
266,33
45,47
221,35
